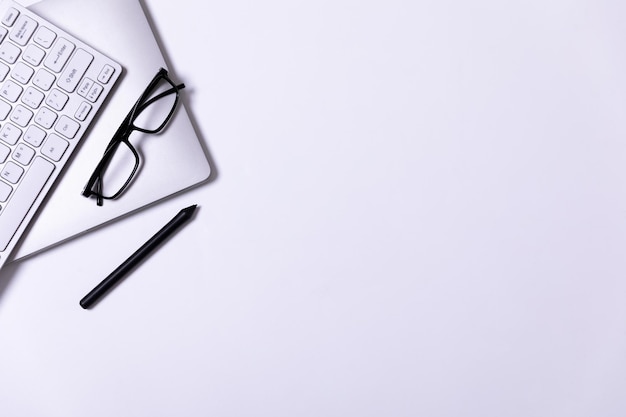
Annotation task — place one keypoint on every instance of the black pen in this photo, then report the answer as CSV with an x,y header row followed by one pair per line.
x,y
180,219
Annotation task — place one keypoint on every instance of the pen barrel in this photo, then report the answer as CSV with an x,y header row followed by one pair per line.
x,y
139,255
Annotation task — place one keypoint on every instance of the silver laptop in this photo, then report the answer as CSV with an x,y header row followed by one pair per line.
x,y
171,162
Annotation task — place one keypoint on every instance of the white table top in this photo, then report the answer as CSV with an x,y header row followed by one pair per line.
x,y
419,209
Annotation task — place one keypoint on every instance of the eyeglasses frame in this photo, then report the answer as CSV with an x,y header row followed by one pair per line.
x,y
122,135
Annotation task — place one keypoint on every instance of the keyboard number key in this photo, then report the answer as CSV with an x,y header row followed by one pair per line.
x,y
54,147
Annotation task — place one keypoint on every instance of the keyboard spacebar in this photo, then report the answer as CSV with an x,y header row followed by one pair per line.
x,y
23,199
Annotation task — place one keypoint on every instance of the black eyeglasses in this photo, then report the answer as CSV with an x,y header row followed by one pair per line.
x,y
120,162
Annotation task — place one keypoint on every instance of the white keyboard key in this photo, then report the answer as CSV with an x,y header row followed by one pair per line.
x,y
23,30
3,33
23,154
83,111
10,16
5,191
67,127
54,147
9,52
22,73
85,87
10,133
45,117
34,136
32,97
21,115
45,37
43,79
59,54
75,70
95,92
4,153
57,99
5,109
106,74
4,70
12,172
33,55
23,199
11,91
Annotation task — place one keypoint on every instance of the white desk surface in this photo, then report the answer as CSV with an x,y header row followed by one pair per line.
x,y
419,210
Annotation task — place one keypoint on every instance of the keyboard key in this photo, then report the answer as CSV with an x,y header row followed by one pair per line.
x,y
12,172
55,147
4,70
21,115
95,92
75,70
10,16
33,55
23,30
34,136
32,97
85,87
59,54
22,73
23,154
45,37
11,91
43,79
9,52
23,199
106,74
4,153
5,109
67,127
45,117
83,111
5,191
57,99
10,133
3,33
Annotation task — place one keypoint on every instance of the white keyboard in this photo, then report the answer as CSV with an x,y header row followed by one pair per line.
x,y
51,86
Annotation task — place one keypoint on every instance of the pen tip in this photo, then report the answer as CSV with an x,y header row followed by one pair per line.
x,y
189,210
